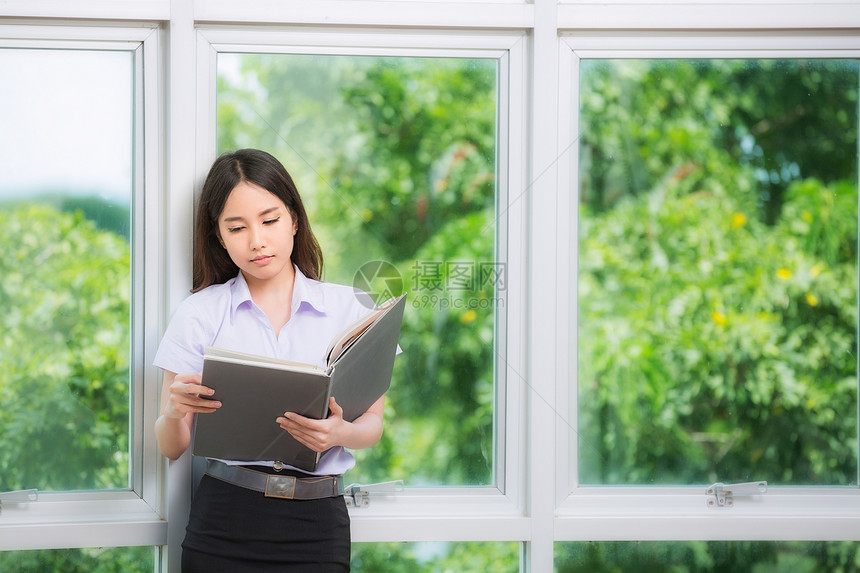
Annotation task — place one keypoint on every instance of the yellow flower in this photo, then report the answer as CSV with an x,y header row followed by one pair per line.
x,y
811,299
739,220
815,270
468,316
783,274
806,216
718,317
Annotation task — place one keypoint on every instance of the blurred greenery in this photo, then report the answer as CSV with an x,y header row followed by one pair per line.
x,y
395,158
64,351
87,560
717,292
707,557
718,331
64,367
435,557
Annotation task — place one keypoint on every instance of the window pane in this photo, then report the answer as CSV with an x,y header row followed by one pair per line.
x,y
395,158
430,557
718,272
89,560
65,196
707,556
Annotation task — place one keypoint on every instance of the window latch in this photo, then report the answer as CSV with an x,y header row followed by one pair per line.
x,y
722,494
357,495
20,496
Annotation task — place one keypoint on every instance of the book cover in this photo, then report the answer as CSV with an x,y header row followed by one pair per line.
x,y
254,390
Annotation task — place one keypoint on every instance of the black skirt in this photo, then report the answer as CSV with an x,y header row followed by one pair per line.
x,y
233,529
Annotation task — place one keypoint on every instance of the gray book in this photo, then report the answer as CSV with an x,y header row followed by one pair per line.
x,y
254,390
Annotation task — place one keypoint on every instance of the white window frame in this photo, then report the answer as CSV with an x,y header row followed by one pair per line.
x,y
541,503
121,517
482,513
679,513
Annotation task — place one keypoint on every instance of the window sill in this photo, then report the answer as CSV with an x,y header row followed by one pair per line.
x,y
480,514
683,514
98,519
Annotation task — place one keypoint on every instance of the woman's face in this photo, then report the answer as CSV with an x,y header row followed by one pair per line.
x,y
257,230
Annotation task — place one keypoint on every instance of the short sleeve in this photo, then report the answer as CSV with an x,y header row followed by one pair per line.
x,y
184,342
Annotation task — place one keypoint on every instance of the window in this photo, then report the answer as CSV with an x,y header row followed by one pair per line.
x,y
77,416
542,486
401,145
396,157
717,271
67,158
707,330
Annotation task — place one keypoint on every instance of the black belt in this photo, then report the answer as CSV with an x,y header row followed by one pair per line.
x,y
272,485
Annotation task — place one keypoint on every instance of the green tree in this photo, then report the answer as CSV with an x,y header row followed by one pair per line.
x,y
663,274
718,290
777,120
706,557
64,352
64,367
87,560
396,160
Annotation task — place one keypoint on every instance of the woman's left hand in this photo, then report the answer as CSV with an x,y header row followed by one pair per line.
x,y
318,435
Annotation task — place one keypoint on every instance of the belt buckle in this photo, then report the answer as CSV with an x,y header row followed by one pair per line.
x,y
283,487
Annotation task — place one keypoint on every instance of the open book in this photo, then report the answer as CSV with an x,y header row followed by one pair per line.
x,y
346,337
254,390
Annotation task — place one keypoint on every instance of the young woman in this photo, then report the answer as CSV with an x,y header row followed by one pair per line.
x,y
256,289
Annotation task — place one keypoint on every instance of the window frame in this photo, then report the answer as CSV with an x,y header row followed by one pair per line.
x,y
486,513
112,518
545,506
678,512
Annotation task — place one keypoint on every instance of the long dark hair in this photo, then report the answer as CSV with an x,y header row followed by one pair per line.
x,y
212,264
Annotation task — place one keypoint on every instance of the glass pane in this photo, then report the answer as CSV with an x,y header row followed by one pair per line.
x,y
89,560
395,158
432,557
65,197
718,272
707,556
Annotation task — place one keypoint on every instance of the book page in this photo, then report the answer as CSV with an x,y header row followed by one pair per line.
x,y
353,331
253,359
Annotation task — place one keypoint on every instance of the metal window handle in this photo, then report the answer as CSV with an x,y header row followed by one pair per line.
x,y
722,494
19,496
357,495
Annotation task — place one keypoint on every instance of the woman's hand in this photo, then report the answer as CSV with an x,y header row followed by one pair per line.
x,y
321,435
318,435
185,396
180,400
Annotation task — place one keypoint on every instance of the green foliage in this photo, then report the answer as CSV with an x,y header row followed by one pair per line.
x,y
715,348
395,158
707,557
717,263
429,203
64,352
753,125
106,215
718,330
443,393
497,557
431,144
87,560
717,292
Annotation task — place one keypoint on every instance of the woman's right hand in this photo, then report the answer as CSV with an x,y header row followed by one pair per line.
x,y
185,395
